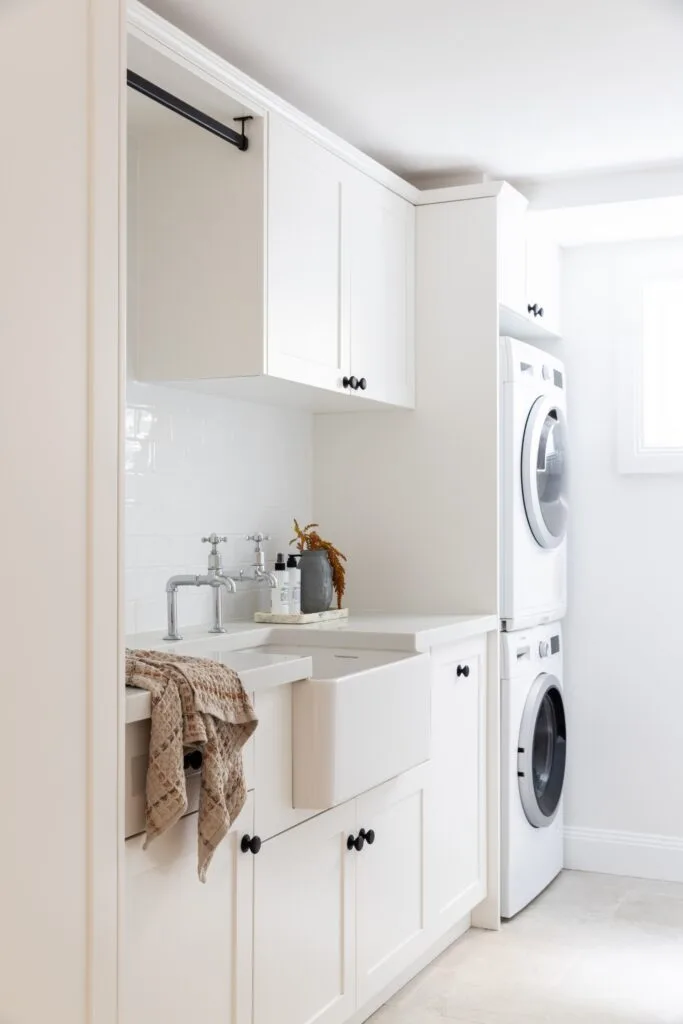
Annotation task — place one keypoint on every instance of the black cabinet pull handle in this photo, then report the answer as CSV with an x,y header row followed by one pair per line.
x,y
463,670
362,383
356,842
368,836
250,844
192,761
532,309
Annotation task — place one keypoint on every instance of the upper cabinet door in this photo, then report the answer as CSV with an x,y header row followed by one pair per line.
x,y
542,276
307,338
512,213
380,243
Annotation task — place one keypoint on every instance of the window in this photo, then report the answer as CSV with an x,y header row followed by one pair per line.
x,y
652,441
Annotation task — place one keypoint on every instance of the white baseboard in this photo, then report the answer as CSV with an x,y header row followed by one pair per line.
x,y
634,854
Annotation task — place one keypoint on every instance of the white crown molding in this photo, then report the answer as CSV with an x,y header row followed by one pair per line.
x,y
160,35
636,854
456,193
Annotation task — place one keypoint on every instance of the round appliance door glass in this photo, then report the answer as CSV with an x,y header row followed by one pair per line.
x,y
544,477
542,751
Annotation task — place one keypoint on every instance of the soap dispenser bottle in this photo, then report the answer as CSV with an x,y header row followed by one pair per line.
x,y
279,596
294,585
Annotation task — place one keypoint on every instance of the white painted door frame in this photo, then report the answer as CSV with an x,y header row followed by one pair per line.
x,y
61,336
106,387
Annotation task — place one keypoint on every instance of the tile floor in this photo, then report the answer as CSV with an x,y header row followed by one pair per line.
x,y
592,948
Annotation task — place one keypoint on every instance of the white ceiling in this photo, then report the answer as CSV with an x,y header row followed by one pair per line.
x,y
517,89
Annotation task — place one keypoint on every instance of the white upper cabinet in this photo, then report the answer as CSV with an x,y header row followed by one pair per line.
x,y
308,338
380,248
276,273
528,272
543,274
512,213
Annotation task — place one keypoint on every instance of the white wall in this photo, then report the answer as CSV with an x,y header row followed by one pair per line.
x,y
411,497
60,84
198,463
624,668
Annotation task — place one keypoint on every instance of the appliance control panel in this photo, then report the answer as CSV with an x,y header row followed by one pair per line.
x,y
522,650
548,647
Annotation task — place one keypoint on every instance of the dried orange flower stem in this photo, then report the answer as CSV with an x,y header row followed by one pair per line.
x,y
308,539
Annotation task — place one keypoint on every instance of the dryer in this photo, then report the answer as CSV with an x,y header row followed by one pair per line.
x,y
533,486
533,761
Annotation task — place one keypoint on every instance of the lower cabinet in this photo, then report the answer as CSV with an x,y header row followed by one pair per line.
x,y
187,946
457,817
304,923
340,905
311,924
391,909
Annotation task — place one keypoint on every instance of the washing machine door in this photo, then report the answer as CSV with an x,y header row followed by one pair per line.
x,y
544,478
542,751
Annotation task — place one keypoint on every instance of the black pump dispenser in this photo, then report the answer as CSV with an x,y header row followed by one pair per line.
x,y
292,562
280,562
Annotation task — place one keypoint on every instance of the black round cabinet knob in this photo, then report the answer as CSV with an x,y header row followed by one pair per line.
x,y
541,311
463,670
368,836
356,842
251,844
362,383
192,761
353,383
346,381
532,309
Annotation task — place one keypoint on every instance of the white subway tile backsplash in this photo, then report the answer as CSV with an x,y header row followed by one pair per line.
x,y
197,463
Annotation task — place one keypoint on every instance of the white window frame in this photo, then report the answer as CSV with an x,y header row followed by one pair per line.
x,y
634,456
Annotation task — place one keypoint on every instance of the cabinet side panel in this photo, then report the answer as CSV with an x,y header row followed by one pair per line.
x,y
412,497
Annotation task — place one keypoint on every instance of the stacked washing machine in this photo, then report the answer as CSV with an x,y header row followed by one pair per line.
x,y
533,601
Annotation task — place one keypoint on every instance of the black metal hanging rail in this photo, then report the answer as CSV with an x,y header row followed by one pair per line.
x,y
198,117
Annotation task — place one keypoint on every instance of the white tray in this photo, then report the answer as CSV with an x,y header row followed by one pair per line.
x,y
301,619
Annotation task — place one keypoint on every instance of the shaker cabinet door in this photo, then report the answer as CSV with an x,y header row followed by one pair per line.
x,y
304,923
307,334
457,824
381,243
391,905
188,945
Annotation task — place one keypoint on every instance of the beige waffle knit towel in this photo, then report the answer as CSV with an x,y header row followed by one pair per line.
x,y
196,703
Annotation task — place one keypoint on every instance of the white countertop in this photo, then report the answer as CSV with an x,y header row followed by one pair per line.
x,y
374,631
258,671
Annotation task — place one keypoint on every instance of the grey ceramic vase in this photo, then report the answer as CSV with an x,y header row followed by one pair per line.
x,y
316,582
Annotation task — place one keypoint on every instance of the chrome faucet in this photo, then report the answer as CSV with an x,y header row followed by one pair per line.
x,y
259,567
215,577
